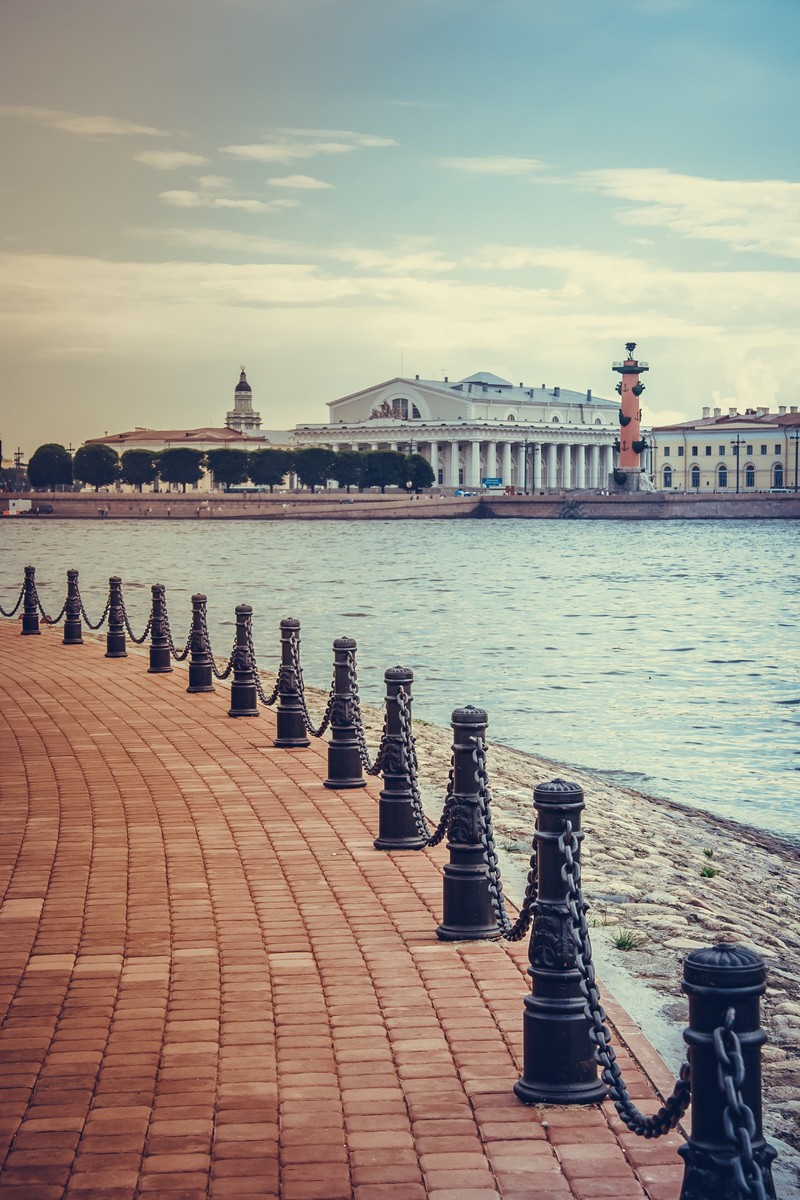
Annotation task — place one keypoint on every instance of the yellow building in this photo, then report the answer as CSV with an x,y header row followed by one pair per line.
x,y
754,451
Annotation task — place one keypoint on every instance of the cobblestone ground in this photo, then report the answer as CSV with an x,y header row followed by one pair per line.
x,y
212,985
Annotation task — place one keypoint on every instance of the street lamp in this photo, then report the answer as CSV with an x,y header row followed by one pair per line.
x,y
795,437
525,470
739,442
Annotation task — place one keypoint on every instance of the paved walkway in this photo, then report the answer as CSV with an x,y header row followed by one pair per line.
x,y
211,984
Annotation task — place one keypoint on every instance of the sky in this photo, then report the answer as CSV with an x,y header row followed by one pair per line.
x,y
336,192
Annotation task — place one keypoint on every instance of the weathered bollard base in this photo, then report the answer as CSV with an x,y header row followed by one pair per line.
x,y
200,679
559,1065
243,700
467,912
710,1174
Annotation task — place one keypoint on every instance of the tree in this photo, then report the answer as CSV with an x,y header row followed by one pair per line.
x,y
419,472
227,466
348,469
180,465
269,467
314,466
96,465
50,466
384,467
138,467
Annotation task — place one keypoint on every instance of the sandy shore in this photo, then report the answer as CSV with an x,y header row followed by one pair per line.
x,y
647,868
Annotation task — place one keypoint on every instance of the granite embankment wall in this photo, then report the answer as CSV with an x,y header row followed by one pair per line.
x,y
335,506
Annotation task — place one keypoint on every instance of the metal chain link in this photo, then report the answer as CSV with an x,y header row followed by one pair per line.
x,y
318,730
49,620
223,674
179,656
676,1105
270,699
372,767
737,1117
102,620
13,611
131,634
513,931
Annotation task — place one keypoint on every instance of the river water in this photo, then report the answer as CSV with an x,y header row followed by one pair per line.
x,y
661,654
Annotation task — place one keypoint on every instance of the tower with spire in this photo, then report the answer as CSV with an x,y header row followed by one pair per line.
x,y
243,416
631,443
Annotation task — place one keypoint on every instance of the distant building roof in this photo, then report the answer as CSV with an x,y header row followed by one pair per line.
x,y
486,387
751,416
207,433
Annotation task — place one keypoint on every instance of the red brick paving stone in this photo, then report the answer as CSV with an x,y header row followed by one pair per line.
x,y
212,943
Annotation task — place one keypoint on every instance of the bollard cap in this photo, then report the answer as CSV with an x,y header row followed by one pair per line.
x,y
469,715
724,966
157,587
558,792
199,598
115,579
344,643
243,609
398,674
72,573
290,623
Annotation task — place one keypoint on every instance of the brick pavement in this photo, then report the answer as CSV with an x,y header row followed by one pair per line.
x,y
211,984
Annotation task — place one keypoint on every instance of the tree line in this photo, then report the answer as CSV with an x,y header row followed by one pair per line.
x,y
99,466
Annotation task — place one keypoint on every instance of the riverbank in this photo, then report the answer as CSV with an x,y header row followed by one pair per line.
x,y
673,878
372,506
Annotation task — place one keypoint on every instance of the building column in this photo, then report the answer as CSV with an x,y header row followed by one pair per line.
x,y
433,459
451,465
566,465
606,465
491,460
594,466
373,445
506,468
580,467
552,465
521,473
472,477
538,451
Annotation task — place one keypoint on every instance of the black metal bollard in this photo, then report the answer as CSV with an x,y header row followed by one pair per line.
x,y
718,978
345,768
160,662
244,698
200,661
559,1065
30,604
467,911
397,828
115,636
290,720
72,612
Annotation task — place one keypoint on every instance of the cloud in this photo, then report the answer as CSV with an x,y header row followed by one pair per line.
x,y
87,126
301,182
289,145
168,160
187,199
223,239
749,216
494,164
214,181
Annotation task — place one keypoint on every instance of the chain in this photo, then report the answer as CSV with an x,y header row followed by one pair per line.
x,y
516,930
131,634
179,656
371,767
319,730
48,620
737,1118
13,611
207,647
262,695
101,622
676,1105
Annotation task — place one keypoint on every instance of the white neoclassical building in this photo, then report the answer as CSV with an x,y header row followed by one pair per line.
x,y
479,429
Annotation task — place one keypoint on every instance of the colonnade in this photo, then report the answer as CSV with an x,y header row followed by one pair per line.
x,y
466,463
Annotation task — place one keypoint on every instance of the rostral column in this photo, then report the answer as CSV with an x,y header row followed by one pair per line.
x,y
627,474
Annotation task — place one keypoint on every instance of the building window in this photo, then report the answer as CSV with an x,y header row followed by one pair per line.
x,y
763,449
722,451
415,416
511,417
778,449
749,450
695,477
708,452
777,475
722,476
750,476
667,477
555,421
680,451
695,451
666,452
